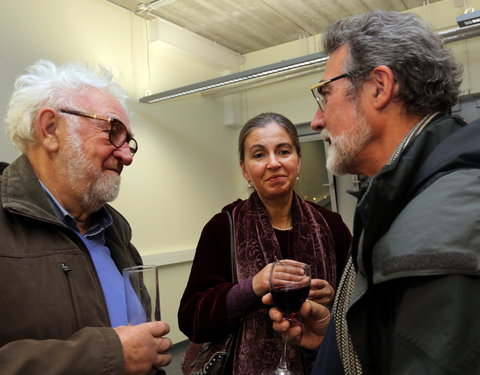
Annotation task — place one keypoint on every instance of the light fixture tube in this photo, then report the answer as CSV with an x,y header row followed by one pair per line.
x,y
280,67
448,36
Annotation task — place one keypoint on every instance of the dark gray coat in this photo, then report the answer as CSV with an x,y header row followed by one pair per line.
x,y
53,315
415,306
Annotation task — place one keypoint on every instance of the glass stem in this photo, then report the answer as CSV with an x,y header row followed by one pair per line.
x,y
282,365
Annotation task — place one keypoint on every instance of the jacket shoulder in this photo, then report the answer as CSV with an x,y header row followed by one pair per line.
x,y
437,233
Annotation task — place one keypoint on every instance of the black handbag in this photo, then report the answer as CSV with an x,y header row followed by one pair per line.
x,y
213,358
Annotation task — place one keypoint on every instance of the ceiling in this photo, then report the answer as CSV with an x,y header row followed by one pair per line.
x,y
246,26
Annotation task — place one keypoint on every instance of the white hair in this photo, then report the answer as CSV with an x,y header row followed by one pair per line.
x,y
49,85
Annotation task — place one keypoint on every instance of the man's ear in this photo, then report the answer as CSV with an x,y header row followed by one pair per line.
x,y
383,89
46,126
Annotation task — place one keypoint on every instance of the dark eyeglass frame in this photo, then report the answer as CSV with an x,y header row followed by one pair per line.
x,y
316,89
116,127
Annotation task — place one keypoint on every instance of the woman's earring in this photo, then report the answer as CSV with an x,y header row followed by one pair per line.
x,y
249,185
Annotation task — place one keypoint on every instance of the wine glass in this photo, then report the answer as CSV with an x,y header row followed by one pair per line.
x,y
289,285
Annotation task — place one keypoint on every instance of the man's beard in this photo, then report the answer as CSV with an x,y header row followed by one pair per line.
x,y
345,148
89,185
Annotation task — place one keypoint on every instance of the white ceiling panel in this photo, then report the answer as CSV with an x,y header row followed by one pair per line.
x,y
249,25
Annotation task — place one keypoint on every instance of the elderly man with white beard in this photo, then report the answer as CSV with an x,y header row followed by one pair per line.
x,y
63,247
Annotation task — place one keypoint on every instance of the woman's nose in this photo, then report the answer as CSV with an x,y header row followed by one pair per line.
x,y
273,161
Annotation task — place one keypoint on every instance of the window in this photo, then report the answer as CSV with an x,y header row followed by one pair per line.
x,y
316,184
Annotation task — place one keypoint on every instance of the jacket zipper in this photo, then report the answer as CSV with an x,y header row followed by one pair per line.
x,y
66,270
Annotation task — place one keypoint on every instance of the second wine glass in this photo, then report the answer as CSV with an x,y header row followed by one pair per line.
x,y
289,285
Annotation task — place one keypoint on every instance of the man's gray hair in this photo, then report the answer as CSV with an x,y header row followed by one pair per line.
x,y
429,76
48,85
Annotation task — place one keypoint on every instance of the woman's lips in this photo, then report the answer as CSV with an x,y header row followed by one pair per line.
x,y
275,178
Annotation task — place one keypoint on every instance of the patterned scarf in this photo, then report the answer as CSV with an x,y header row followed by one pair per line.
x,y
258,346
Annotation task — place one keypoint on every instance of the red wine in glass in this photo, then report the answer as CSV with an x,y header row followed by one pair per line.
x,y
289,299
289,285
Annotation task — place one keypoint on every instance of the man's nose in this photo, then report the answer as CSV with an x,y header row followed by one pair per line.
x,y
318,121
124,154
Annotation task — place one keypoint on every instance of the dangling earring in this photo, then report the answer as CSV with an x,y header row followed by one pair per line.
x,y
249,185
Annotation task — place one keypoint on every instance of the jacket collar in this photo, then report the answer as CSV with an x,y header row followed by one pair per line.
x,y
21,191
386,194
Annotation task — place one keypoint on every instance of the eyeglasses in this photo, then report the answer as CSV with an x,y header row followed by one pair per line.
x,y
118,133
317,90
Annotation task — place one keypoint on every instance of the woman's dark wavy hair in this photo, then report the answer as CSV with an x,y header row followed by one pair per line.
x,y
429,76
262,120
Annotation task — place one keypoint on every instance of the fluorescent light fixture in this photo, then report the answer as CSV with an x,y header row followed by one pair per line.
x,y
308,62
256,73
470,17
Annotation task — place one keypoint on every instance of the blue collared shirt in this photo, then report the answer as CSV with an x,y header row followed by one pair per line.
x,y
107,271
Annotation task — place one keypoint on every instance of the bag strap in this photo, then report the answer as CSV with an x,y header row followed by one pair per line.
x,y
233,255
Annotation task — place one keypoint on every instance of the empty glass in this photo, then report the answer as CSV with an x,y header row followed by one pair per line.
x,y
142,294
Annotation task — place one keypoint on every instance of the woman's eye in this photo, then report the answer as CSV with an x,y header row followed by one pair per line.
x,y
285,152
257,155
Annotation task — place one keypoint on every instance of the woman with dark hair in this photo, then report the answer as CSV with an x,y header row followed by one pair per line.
x,y
273,223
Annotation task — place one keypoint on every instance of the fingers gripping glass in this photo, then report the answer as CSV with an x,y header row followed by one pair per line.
x,y
118,133
317,90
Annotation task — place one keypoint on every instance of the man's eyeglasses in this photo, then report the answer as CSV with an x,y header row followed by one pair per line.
x,y
317,90
118,133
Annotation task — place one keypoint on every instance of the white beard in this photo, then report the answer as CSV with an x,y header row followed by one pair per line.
x,y
89,185
345,147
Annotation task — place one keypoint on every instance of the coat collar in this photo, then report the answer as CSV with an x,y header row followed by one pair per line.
x,y
21,191
386,194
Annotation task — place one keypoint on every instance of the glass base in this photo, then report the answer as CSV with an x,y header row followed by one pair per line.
x,y
282,372
278,371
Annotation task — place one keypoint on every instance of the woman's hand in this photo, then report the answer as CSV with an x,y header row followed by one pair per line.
x,y
321,292
309,326
261,281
